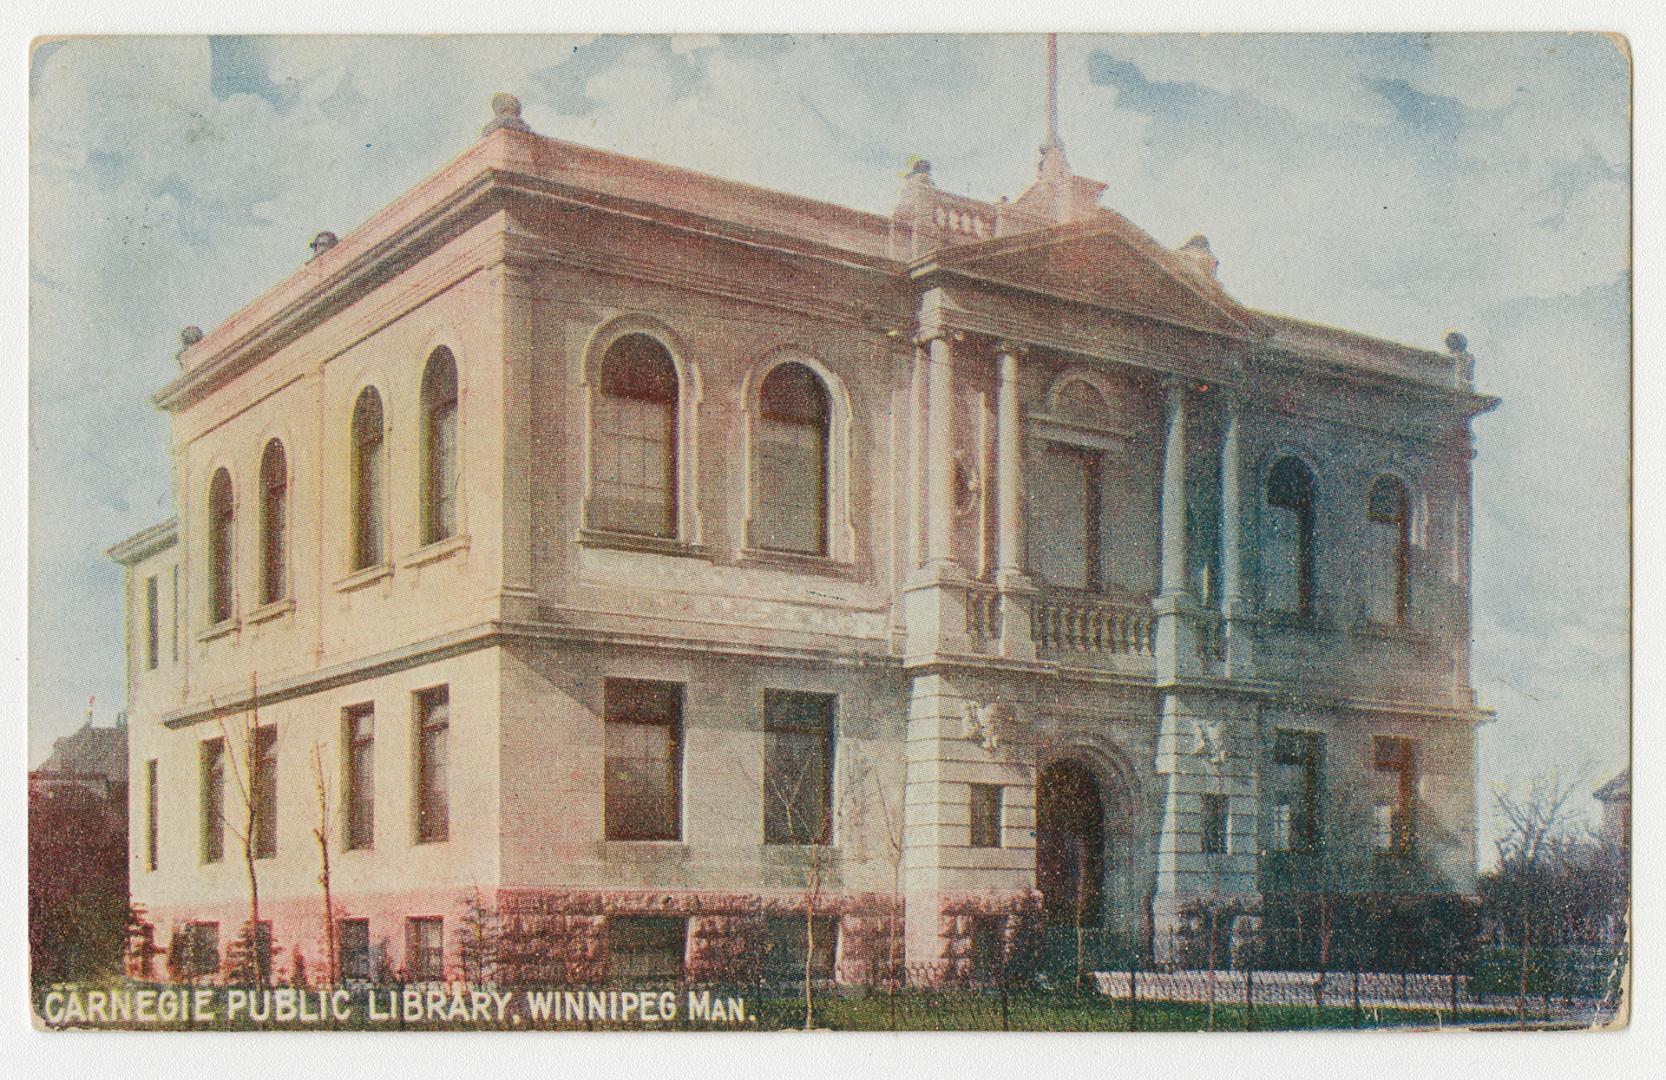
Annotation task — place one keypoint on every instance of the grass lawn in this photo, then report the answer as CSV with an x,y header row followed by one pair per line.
x,y
978,1011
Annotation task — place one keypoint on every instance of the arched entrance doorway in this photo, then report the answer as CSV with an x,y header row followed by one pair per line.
x,y
1070,845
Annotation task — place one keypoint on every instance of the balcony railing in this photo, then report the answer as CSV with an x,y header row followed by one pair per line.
x,y
1088,626
983,615
1211,639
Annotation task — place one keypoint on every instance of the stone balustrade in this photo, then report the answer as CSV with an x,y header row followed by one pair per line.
x,y
1090,626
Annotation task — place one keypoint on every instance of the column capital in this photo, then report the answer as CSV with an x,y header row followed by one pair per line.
x,y
1003,347
927,334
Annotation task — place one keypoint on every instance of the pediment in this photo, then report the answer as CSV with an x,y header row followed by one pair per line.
x,y
1104,261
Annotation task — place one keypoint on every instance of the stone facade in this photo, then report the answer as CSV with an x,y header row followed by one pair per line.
x,y
1058,568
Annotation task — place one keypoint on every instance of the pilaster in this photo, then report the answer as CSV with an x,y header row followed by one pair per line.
x,y
518,594
1204,748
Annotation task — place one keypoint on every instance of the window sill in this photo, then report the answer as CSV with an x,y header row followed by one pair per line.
x,y
220,629
679,846
439,549
821,565
1379,631
655,545
276,609
358,579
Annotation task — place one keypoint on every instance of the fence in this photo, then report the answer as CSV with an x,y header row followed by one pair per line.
x,y
1366,999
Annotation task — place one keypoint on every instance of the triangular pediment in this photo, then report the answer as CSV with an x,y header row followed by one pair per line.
x,y
1105,261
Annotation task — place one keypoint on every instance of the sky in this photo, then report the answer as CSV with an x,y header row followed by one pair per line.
x,y
1398,185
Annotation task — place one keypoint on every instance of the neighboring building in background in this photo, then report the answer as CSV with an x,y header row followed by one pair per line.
x,y
78,855
652,552
1615,868
94,759
1615,797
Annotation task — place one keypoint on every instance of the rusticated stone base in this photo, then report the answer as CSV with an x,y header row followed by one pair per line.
x,y
560,935
1014,920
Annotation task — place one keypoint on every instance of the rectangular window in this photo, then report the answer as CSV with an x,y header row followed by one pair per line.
x,y
153,624
1297,756
1281,563
262,945
1214,825
1065,543
789,486
359,737
798,767
433,733
425,949
641,785
263,790
173,613
353,947
1395,761
212,770
645,949
151,800
203,948
988,947
442,471
986,815
790,939
635,453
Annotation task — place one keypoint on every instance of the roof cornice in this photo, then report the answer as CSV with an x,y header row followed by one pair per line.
x,y
145,542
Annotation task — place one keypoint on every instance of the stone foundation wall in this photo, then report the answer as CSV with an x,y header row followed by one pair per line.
x,y
560,936
959,914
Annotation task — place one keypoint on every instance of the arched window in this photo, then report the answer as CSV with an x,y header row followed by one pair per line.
x,y
439,447
274,524
790,462
221,519
633,485
1288,568
1388,554
369,480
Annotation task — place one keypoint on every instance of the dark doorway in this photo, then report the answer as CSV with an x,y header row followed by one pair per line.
x,y
1070,845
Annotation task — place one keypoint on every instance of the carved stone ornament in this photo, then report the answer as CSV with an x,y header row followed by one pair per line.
x,y
987,724
1211,738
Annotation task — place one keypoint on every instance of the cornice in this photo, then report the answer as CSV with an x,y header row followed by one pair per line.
x,y
334,291
145,542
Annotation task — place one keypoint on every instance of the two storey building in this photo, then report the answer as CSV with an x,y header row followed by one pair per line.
x,y
648,557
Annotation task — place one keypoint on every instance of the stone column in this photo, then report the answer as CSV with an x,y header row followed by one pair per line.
x,y
939,463
1236,609
916,547
935,595
1015,585
1176,635
1174,491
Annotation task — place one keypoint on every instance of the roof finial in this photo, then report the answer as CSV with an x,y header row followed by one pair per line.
x,y
1052,94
